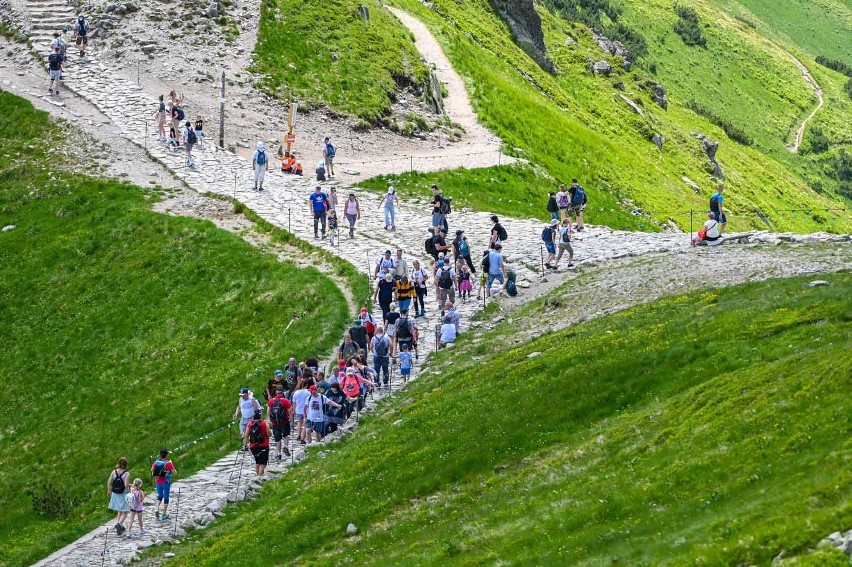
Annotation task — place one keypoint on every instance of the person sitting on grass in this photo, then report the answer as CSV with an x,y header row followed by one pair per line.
x,y
710,234
448,331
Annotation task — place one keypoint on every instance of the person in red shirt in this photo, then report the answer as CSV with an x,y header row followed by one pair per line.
x,y
257,435
162,470
280,413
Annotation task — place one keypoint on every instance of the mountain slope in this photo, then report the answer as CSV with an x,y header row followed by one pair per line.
x,y
703,428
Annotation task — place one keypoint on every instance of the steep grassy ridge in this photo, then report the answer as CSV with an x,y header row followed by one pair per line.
x,y
574,125
123,331
325,53
709,428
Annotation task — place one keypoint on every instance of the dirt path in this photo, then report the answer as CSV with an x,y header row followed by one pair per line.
x,y
800,133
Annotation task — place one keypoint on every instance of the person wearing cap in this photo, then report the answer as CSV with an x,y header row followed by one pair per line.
x,y
54,70
273,384
461,248
246,406
279,410
292,373
347,348
368,322
352,387
448,331
496,268
390,200
548,236
259,163
385,265
316,414
358,334
300,398
384,293
440,243
380,346
257,437
352,209
162,470
318,203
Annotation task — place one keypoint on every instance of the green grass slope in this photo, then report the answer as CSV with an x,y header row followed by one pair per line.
x,y
123,331
574,124
710,428
325,53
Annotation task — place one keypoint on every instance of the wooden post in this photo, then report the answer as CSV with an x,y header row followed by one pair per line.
x,y
222,113
292,115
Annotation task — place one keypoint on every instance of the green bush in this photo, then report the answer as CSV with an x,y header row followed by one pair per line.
x,y
688,26
733,132
835,65
817,141
602,15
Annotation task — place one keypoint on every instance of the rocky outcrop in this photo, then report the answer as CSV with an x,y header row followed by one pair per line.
x,y
658,93
633,106
613,47
600,68
525,25
433,96
710,147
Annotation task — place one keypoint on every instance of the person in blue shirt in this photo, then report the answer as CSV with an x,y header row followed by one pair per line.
x,y
54,65
496,268
718,211
405,361
318,202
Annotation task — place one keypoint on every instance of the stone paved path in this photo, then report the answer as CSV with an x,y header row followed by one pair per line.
x,y
284,203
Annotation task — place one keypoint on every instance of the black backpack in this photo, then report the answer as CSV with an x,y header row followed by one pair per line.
x,y
445,281
159,470
191,137
403,329
430,246
486,263
256,432
277,413
714,203
566,237
118,482
501,232
180,113
446,205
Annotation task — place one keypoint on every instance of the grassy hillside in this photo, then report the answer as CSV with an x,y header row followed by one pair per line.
x,y
710,428
123,331
325,53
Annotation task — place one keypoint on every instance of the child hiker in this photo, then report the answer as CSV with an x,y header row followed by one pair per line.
x,y
404,362
136,504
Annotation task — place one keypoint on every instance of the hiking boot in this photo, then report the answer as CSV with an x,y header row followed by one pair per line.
x,y
165,517
49,91
119,529
157,514
286,451
569,265
278,456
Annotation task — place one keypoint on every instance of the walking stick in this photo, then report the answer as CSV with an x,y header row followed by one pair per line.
x,y
240,477
177,511
103,555
234,467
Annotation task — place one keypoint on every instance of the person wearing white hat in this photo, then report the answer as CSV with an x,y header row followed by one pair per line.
x,y
390,200
260,163
548,236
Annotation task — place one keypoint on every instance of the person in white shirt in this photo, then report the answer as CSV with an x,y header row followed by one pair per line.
x,y
448,331
712,235
246,406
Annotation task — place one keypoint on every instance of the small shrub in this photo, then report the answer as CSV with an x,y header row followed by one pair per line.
x,y
688,26
51,502
847,88
733,132
817,141
843,166
835,65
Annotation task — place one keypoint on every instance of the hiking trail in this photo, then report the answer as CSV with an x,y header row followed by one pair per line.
x,y
284,203
800,133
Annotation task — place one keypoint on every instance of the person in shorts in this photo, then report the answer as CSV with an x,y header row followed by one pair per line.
x,y
563,237
258,445
315,413
189,140
260,163
280,412
405,361
81,31
162,470
548,236
54,70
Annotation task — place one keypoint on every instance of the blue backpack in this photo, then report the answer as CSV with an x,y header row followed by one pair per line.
x,y
464,250
579,196
330,150
261,157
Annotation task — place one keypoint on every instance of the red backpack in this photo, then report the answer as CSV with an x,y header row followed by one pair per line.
x,y
351,387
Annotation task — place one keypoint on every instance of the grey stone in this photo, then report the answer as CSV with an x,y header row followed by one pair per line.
x,y
658,140
613,47
600,68
168,555
658,93
692,184
351,529
633,106
534,354
823,283
148,49
525,25
9,227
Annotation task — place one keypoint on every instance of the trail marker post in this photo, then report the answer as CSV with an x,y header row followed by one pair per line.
x,y
292,118
222,113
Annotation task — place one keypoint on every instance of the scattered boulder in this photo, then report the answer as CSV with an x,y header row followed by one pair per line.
x,y
533,355
148,49
434,98
351,529
658,140
619,85
821,283
9,227
710,147
658,93
613,47
525,25
632,105
364,12
600,68
692,184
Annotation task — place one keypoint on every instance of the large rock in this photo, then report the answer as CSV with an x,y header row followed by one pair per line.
x,y
525,25
613,47
658,93
710,147
600,67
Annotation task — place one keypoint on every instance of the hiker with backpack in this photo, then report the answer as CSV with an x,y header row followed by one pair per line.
x,y
257,437
352,208
392,317
347,348
380,347
335,416
406,332
300,398
384,293
498,233
259,163
563,201
384,265
135,499
496,267
552,206
54,70
247,405
328,153
578,203
461,249
198,128
162,470
548,236
316,413
389,200
438,246
405,292
564,241
81,33
318,202
279,410
359,334
117,486
446,279
189,140
367,322
440,209
718,210
277,381
160,117
419,276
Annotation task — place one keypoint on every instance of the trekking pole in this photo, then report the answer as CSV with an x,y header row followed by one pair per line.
x,y
411,166
289,228
177,511
138,83
235,187
541,251
234,467
146,134
690,228
240,477
103,555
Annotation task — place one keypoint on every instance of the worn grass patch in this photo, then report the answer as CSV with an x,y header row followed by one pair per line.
x,y
123,331
709,428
